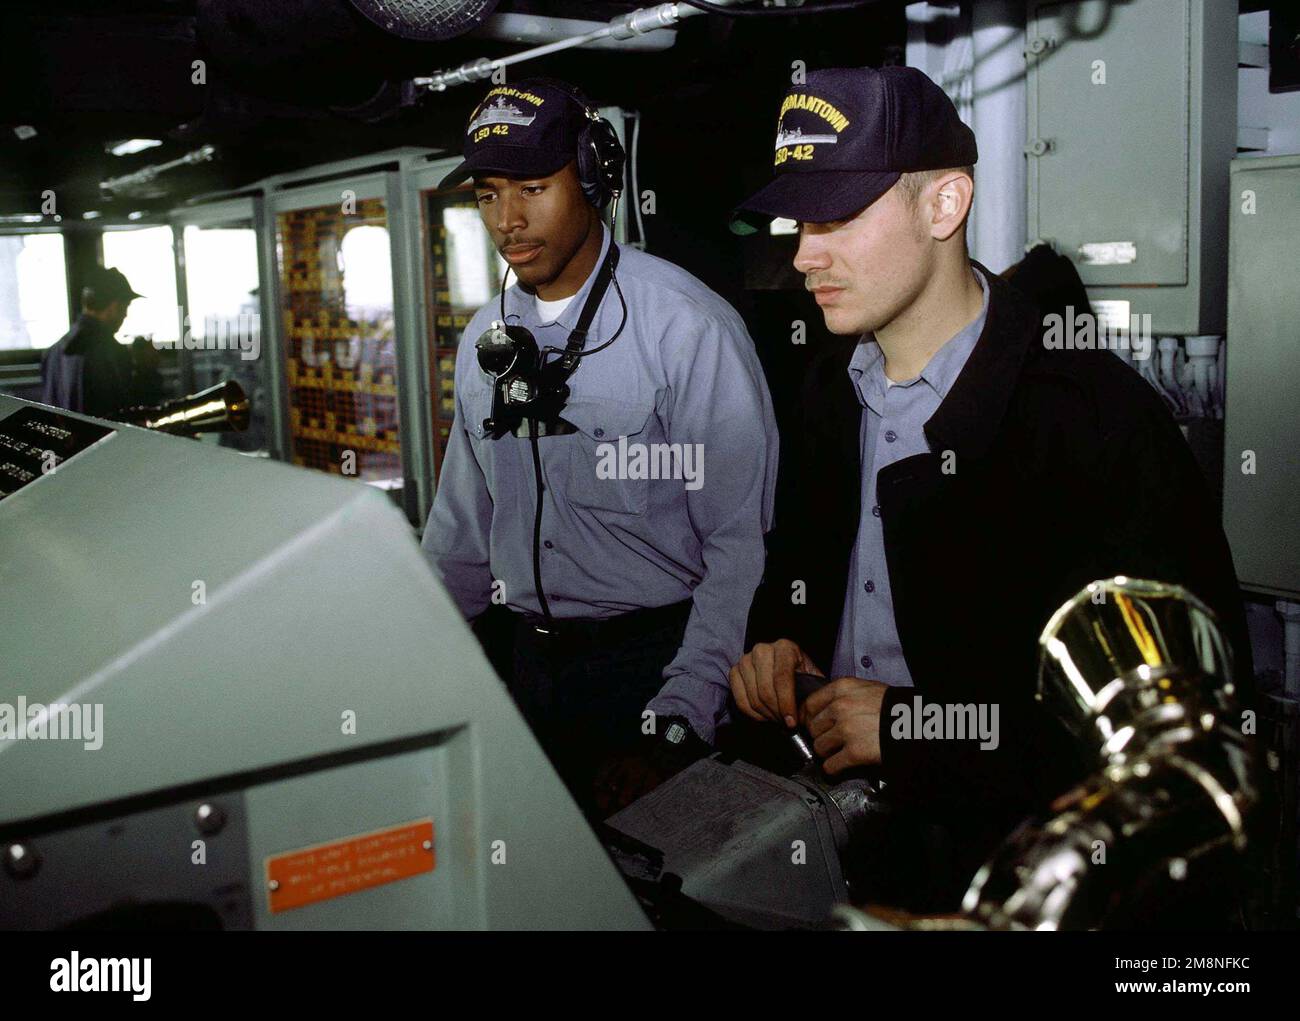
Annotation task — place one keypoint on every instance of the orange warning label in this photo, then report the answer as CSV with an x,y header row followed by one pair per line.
x,y
311,874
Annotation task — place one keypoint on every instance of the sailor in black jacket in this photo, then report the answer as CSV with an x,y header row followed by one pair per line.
x,y
87,370
1039,470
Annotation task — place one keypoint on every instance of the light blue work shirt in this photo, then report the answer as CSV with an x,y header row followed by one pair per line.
x,y
684,373
892,428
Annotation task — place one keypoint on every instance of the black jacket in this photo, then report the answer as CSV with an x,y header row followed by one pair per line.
x,y
1068,468
88,371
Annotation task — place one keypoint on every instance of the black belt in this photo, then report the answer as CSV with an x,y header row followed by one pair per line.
x,y
603,630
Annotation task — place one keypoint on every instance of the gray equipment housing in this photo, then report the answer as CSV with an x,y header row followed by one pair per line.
x,y
1261,489
756,849
278,668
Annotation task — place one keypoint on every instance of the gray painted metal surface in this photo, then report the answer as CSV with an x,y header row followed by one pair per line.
x,y
1133,144
1261,461
228,613
759,849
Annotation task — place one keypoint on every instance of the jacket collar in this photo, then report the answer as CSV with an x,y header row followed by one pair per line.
x,y
969,417
87,332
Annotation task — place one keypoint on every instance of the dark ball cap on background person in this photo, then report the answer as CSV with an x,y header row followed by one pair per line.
x,y
100,286
846,136
525,130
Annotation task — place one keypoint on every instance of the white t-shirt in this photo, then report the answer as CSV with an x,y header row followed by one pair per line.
x,y
549,311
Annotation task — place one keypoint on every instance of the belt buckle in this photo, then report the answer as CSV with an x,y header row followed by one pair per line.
x,y
547,633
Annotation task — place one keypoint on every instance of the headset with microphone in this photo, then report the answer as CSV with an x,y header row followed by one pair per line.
x,y
527,387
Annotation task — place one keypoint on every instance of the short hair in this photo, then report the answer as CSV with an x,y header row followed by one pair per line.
x,y
913,183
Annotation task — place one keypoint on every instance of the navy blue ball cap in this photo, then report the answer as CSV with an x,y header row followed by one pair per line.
x,y
845,137
527,129
107,285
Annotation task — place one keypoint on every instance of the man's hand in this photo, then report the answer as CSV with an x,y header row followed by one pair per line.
x,y
843,718
762,683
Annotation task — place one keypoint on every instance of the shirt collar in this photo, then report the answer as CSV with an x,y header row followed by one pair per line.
x,y
867,366
520,303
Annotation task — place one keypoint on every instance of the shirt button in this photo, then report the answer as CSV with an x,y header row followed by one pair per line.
x,y
548,544
866,662
598,431
876,510
890,436
870,586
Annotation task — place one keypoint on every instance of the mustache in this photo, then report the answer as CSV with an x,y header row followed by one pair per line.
x,y
812,283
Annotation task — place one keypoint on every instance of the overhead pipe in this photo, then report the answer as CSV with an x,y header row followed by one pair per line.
x,y
539,29
145,175
625,26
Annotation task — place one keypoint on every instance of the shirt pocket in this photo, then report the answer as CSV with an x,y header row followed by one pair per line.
x,y
476,405
595,476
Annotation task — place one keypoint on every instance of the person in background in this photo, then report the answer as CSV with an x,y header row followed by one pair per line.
x,y
87,370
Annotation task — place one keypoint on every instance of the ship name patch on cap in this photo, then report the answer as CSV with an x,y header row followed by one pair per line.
x,y
522,131
792,142
835,156
495,116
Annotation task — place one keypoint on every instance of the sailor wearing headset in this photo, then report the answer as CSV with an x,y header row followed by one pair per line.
x,y
611,469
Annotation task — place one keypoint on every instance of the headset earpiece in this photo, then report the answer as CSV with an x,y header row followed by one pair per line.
x,y
600,162
600,154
